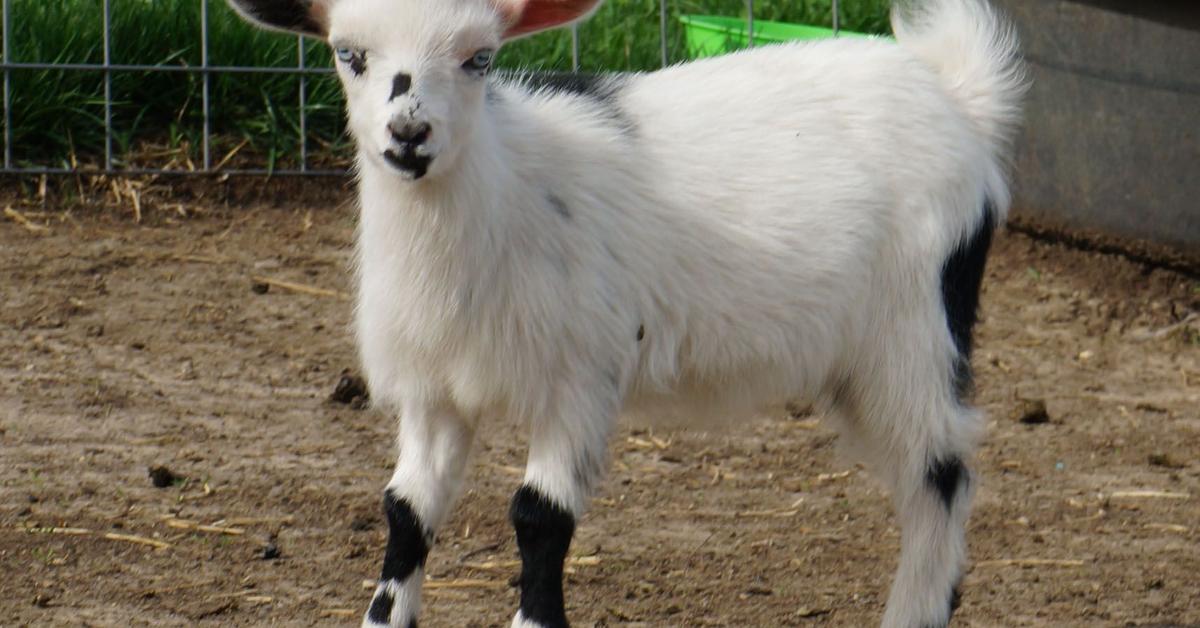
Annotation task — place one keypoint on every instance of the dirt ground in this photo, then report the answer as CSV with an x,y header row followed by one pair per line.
x,y
127,346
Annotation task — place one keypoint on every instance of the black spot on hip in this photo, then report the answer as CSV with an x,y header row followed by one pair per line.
x,y
962,275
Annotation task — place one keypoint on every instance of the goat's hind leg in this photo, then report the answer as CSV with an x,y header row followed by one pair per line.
x,y
932,495
435,443
919,440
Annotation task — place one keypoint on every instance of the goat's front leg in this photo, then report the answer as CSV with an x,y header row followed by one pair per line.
x,y
567,458
435,442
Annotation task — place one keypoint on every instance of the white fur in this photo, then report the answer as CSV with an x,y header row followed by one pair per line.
x,y
406,598
519,621
776,220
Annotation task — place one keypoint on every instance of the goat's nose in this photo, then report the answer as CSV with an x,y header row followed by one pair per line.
x,y
412,133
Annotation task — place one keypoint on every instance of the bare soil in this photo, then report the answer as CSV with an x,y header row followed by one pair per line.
x,y
170,344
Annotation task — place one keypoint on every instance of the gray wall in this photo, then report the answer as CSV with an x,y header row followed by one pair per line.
x,y
1112,133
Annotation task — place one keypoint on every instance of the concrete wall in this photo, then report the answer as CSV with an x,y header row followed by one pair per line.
x,y
1112,134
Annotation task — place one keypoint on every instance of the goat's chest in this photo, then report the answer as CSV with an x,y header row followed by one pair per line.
x,y
477,330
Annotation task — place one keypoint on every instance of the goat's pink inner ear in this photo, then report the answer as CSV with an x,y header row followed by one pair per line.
x,y
319,15
307,17
530,16
510,11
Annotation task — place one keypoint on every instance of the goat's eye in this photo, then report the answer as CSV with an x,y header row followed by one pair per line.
x,y
480,62
355,59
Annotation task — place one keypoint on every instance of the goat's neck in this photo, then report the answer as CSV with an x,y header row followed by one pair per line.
x,y
466,211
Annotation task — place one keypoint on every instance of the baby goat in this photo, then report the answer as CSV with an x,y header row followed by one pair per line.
x,y
794,222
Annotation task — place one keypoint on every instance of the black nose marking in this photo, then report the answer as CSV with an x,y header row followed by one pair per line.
x,y
400,85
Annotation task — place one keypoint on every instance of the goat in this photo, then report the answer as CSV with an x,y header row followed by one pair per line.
x,y
801,221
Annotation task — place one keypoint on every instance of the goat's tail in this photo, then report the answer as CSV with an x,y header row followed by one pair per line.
x,y
975,51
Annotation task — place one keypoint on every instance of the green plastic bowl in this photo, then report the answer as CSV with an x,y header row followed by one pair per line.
x,y
710,35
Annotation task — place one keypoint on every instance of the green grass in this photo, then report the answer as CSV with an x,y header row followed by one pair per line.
x,y
58,116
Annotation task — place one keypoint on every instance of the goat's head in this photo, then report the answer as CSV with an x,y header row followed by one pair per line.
x,y
413,70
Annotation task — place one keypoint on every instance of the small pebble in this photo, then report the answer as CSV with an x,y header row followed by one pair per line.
x,y
1161,459
270,552
1031,412
349,388
362,523
162,477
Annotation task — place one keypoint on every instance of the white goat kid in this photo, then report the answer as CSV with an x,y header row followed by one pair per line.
x,y
805,221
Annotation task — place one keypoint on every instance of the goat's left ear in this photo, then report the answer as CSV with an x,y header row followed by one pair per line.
x,y
307,17
526,17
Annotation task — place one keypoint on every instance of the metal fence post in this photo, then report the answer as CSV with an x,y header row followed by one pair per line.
x,y
108,135
662,30
575,47
301,62
7,91
836,18
749,23
207,81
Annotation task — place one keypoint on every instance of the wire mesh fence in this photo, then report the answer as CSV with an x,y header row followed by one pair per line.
x,y
108,68
211,158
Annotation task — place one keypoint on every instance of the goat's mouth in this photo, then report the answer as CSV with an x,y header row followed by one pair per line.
x,y
408,161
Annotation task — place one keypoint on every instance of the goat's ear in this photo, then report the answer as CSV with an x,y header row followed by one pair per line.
x,y
526,17
307,17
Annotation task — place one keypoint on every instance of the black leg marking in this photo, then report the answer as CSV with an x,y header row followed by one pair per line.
x,y
945,477
381,608
641,332
962,275
544,532
408,543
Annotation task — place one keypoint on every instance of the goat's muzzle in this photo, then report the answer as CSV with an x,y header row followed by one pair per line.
x,y
408,152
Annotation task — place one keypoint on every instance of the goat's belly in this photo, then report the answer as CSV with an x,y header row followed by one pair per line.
x,y
695,405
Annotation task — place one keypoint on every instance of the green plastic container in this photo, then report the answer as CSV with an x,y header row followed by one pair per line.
x,y
710,35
